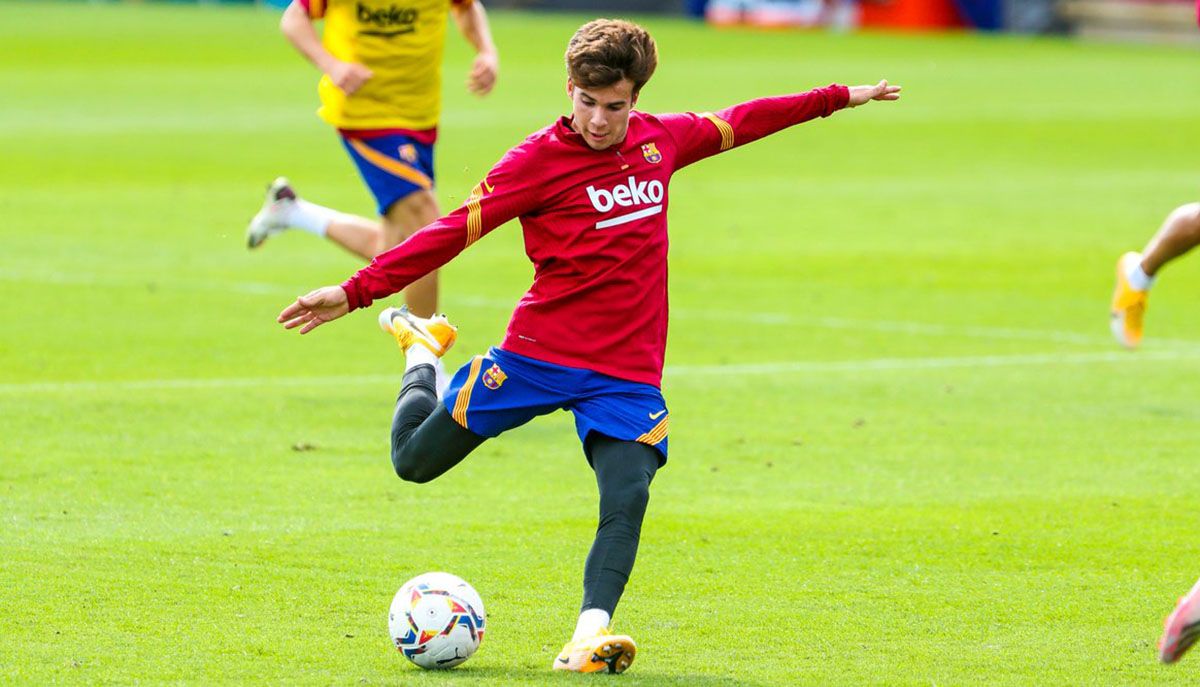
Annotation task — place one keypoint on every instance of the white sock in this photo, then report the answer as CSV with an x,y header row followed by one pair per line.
x,y
419,355
310,217
1138,279
590,622
443,379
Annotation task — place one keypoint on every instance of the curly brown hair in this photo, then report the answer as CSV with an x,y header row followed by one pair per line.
x,y
605,51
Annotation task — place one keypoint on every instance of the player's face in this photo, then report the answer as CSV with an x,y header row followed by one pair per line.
x,y
601,115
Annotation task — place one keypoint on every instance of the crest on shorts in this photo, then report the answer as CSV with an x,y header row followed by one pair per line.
x,y
650,152
494,377
408,153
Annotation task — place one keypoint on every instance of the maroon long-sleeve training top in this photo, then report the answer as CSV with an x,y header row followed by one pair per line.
x,y
595,226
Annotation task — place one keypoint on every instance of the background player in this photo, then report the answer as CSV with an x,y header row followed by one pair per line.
x,y
1182,627
591,192
1136,272
381,90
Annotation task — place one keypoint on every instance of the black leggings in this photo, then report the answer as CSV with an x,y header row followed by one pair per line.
x,y
427,441
624,470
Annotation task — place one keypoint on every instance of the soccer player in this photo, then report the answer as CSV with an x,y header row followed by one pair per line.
x,y
381,90
591,192
1182,627
1136,272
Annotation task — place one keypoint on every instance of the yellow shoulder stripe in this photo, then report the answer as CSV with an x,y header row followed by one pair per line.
x,y
475,214
722,126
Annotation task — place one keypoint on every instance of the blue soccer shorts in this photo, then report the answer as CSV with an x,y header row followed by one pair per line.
x,y
496,392
393,166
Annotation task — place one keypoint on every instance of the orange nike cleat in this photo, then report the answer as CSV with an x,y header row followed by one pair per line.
x,y
604,651
434,333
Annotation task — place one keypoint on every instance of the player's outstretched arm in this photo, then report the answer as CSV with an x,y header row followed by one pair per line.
x,y
706,134
297,27
473,23
315,309
860,95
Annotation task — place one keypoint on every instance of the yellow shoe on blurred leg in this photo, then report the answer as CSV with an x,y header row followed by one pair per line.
x,y
604,651
1128,304
434,333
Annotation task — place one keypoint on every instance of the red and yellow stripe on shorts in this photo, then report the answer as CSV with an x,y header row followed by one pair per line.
x,y
464,394
655,436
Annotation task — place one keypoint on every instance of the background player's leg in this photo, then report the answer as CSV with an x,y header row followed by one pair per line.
x,y
283,209
1178,234
1136,271
359,235
402,220
624,470
426,441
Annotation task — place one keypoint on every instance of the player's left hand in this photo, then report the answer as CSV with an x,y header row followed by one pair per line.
x,y
880,91
483,73
315,309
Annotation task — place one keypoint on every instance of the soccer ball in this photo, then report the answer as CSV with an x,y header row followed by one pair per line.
x,y
437,620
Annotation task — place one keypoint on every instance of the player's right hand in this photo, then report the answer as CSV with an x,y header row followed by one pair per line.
x,y
349,76
482,78
315,309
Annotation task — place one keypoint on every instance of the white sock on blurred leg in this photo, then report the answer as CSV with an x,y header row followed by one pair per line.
x,y
311,217
1138,278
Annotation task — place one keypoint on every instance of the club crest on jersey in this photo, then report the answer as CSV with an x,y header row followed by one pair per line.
x,y
494,377
408,153
650,152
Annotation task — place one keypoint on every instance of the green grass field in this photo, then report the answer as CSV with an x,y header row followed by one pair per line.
x,y
904,450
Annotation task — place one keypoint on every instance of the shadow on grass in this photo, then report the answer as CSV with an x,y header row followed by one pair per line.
x,y
495,675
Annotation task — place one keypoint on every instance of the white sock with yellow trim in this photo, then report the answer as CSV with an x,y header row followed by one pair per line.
x,y
311,217
590,623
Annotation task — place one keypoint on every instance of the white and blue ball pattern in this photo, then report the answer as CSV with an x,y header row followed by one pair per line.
x,y
437,620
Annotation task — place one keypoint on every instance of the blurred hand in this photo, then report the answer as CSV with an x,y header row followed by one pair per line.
x,y
880,91
483,73
349,76
315,309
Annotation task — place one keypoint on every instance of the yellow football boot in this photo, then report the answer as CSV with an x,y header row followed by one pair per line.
x,y
604,651
434,333
1128,305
